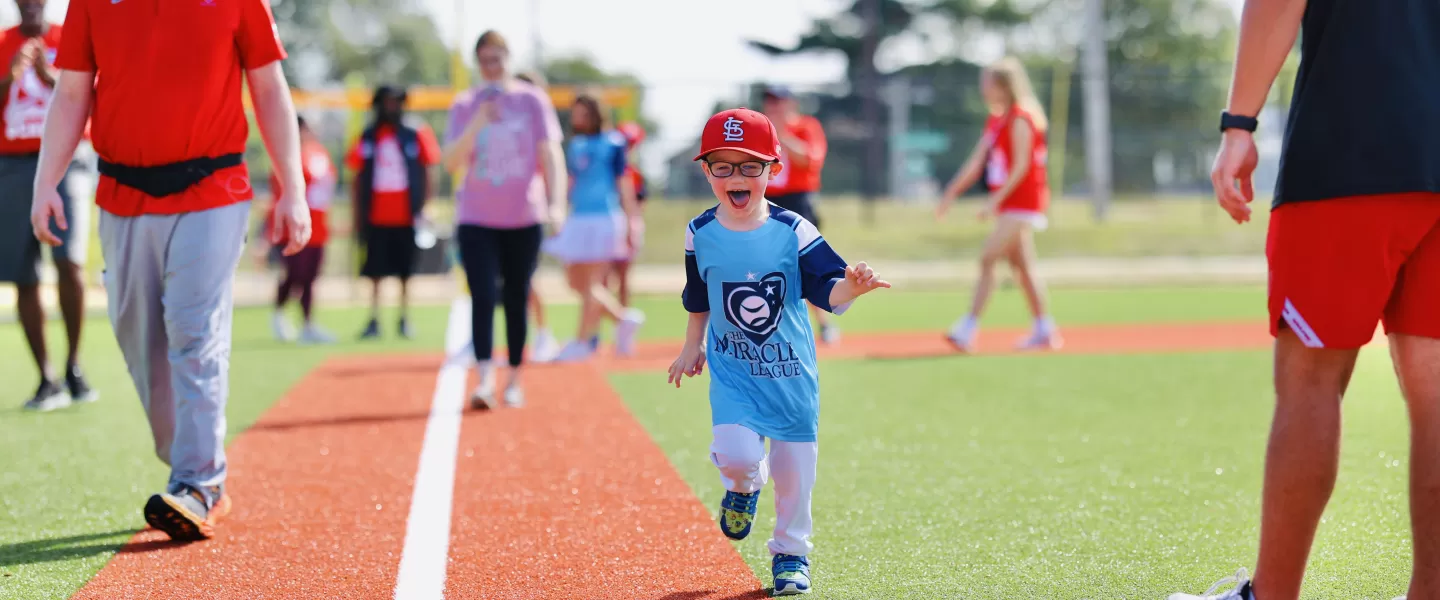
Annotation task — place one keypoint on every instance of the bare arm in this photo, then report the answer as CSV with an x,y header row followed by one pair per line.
x,y
1022,141
796,149
275,114
458,153
969,172
64,124
628,201
552,161
695,329
1268,29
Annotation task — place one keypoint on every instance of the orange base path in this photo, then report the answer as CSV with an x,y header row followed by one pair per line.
x,y
566,498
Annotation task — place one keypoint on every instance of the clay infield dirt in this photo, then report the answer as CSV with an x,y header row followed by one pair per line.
x,y
566,498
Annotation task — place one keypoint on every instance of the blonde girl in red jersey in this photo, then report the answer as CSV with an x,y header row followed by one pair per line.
x,y
1011,154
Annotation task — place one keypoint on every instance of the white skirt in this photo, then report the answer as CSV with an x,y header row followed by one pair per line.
x,y
590,239
1037,220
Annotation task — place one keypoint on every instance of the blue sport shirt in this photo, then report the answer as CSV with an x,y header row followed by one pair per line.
x,y
759,346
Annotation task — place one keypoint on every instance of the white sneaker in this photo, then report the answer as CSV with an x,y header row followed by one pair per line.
x,y
962,336
575,351
483,398
284,331
514,395
1041,340
829,334
313,334
1241,590
626,330
546,346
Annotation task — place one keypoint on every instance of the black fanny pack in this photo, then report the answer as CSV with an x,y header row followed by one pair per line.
x,y
165,180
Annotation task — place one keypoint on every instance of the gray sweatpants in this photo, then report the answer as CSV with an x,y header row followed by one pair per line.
x,y
170,284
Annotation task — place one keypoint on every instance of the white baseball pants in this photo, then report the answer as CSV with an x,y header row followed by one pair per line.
x,y
745,466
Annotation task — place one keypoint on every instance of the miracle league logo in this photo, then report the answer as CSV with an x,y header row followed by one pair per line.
x,y
754,308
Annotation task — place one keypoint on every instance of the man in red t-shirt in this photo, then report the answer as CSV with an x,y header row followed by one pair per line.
x,y
391,161
802,151
162,81
25,91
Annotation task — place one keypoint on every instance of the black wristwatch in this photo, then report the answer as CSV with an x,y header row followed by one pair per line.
x,y
1229,121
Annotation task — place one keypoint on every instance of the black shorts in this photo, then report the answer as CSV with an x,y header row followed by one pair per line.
x,y
389,252
799,203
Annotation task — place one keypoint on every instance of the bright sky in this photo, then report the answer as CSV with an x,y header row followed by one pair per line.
x,y
688,58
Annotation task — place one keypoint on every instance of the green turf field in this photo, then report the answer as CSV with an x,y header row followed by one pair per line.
x,y
1048,477
1060,477
1192,226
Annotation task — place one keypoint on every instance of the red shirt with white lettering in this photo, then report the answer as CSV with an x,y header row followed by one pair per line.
x,y
28,98
390,204
168,79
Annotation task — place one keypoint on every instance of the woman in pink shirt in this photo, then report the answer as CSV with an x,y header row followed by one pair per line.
x,y
506,136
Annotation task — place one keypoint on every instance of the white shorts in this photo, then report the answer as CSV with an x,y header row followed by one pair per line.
x,y
1037,220
590,239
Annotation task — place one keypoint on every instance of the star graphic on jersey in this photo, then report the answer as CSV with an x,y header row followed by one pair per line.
x,y
749,277
769,290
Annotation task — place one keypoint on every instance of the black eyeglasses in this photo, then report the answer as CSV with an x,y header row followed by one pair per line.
x,y
753,168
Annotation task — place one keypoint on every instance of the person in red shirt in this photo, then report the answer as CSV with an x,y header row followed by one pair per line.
x,y
391,160
162,81
1011,154
802,150
302,269
27,86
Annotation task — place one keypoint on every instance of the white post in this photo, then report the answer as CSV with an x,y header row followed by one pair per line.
x,y
1097,107
897,99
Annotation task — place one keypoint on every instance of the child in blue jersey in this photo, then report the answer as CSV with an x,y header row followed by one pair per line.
x,y
598,232
750,268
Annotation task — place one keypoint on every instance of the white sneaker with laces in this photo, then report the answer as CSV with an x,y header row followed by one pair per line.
x,y
313,334
1241,590
284,331
546,346
626,330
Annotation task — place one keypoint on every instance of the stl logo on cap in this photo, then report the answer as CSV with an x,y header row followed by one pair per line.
x,y
733,131
741,130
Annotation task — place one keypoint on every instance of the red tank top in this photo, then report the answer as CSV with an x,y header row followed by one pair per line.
x,y
1033,193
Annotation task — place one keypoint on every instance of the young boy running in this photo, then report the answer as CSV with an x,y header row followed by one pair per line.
x,y
757,265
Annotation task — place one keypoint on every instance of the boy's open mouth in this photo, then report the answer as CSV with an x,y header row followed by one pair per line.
x,y
739,198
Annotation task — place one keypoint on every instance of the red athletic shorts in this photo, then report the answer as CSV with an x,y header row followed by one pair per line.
x,y
1337,267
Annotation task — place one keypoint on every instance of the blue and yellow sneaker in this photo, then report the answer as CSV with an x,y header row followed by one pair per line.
x,y
792,574
737,513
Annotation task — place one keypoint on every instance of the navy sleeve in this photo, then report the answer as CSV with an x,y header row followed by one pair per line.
x,y
696,296
820,267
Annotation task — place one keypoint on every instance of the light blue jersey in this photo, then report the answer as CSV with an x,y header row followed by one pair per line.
x,y
596,162
760,348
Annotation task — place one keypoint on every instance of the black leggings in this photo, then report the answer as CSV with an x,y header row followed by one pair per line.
x,y
499,262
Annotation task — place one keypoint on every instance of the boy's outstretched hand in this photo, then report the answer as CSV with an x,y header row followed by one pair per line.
x,y
860,279
863,278
690,363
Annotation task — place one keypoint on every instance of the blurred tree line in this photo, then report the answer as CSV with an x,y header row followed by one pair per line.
x,y
1169,67
338,43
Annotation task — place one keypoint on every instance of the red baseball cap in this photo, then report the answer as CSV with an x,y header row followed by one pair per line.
x,y
742,130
